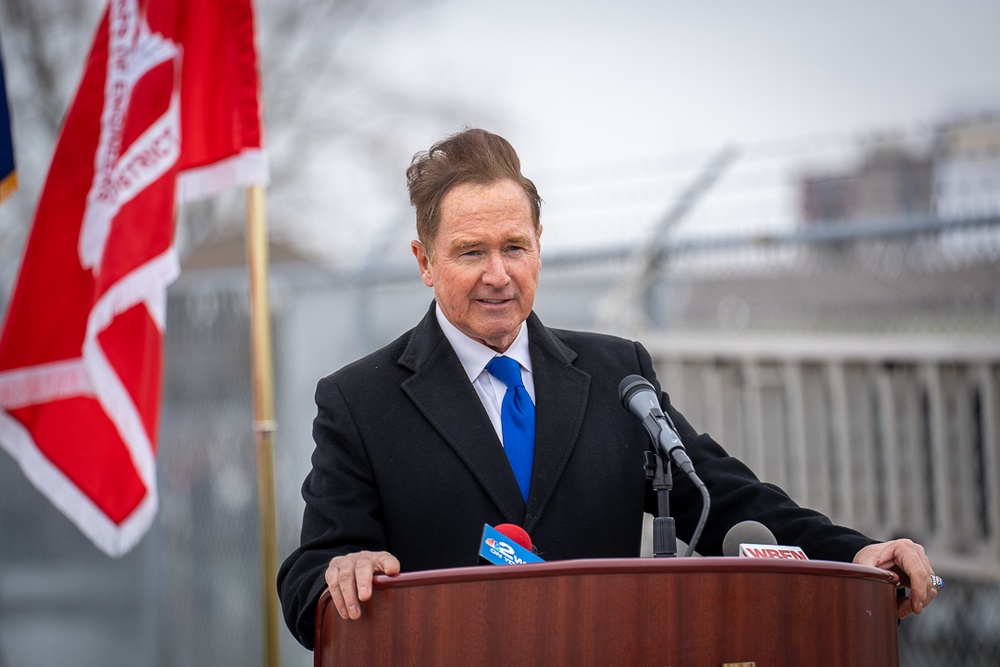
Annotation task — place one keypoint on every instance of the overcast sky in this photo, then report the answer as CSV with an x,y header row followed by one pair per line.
x,y
594,79
592,82
580,85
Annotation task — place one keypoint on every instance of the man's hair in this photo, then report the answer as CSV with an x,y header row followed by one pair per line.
x,y
471,156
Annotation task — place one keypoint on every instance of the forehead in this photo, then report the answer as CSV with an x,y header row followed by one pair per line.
x,y
501,208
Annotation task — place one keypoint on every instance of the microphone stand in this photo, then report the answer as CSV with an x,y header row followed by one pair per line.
x,y
664,530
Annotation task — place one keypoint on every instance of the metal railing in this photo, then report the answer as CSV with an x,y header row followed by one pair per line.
x,y
896,436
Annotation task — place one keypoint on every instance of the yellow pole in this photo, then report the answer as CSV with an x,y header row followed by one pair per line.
x,y
264,424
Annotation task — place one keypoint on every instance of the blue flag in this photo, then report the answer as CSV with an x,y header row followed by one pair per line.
x,y
8,174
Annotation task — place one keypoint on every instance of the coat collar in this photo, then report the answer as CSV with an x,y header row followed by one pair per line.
x,y
441,391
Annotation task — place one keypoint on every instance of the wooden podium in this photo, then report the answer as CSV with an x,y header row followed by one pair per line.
x,y
651,612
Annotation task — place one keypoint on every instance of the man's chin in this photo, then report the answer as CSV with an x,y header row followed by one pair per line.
x,y
498,337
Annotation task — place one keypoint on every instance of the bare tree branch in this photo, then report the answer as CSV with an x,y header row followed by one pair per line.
x,y
328,115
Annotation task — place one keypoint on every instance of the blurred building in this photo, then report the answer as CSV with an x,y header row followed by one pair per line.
x,y
891,181
956,176
866,383
966,159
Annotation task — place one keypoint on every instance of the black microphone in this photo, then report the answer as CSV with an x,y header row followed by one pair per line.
x,y
752,539
639,398
746,532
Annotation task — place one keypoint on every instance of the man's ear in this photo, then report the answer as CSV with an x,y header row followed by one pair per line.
x,y
423,262
538,240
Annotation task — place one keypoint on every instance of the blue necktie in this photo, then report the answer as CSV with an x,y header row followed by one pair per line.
x,y
517,420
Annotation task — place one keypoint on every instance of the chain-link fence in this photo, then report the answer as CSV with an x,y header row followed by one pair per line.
x,y
189,594
838,236
961,628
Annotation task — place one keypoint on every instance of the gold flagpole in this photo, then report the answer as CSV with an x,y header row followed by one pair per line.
x,y
264,424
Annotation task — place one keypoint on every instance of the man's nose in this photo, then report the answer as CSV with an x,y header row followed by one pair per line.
x,y
496,271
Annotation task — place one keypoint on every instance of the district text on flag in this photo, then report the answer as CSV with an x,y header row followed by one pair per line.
x,y
167,110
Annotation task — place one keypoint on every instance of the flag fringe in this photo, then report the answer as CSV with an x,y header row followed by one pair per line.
x,y
220,150
113,539
8,186
147,283
249,167
42,383
121,409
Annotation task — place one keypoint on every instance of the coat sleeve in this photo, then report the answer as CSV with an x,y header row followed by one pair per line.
x,y
342,510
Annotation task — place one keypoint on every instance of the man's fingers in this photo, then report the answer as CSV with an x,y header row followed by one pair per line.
x,y
363,579
333,575
340,580
909,561
387,563
380,563
917,573
903,607
332,584
347,584
349,579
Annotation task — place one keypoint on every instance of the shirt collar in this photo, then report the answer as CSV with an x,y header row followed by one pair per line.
x,y
474,355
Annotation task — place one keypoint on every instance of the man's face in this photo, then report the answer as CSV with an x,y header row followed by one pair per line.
x,y
484,261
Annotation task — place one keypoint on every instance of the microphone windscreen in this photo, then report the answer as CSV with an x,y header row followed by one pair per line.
x,y
746,532
516,533
630,385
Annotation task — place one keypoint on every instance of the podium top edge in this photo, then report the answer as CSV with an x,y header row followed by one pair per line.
x,y
611,566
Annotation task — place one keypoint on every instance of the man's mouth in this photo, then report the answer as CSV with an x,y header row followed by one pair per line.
x,y
495,301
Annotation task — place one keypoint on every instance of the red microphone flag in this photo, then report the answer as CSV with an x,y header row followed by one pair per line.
x,y
167,111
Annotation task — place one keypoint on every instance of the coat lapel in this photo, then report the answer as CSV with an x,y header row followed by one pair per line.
x,y
441,390
561,395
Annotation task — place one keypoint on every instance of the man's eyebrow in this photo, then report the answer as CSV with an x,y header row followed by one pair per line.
x,y
465,244
468,244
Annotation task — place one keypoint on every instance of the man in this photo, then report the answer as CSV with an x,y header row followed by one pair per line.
x,y
416,447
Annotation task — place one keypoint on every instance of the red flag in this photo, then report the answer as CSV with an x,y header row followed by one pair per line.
x,y
167,110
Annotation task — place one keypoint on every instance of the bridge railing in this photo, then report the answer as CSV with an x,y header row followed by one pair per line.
x,y
895,436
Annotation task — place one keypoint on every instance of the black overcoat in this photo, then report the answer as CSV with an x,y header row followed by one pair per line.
x,y
407,461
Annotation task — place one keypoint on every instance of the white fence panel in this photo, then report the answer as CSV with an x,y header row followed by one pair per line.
x,y
891,435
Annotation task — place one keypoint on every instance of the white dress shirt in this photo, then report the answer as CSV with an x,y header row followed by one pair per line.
x,y
474,356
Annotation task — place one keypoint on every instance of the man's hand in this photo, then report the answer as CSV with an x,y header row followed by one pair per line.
x,y
349,578
909,563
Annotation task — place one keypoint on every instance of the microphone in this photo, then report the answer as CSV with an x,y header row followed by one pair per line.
x,y
752,539
639,398
746,532
516,533
512,546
